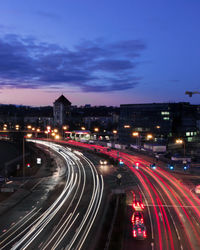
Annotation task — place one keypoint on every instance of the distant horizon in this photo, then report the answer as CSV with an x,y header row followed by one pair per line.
x,y
82,105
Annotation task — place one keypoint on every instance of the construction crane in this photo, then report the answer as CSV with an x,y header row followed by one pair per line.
x,y
190,93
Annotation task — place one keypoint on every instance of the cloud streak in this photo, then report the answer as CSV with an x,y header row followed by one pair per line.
x,y
92,66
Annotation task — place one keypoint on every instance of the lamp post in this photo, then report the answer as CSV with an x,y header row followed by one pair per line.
x,y
96,130
115,134
149,136
64,128
181,141
137,135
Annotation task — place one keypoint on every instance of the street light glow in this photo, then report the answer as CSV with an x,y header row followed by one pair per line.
x,y
29,135
149,136
135,134
179,141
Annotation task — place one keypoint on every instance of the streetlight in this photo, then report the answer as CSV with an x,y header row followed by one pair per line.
x,y
96,129
181,141
115,134
64,128
29,135
17,127
149,137
57,137
137,135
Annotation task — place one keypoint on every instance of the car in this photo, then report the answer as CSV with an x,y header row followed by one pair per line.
x,y
153,166
137,205
139,231
103,162
137,217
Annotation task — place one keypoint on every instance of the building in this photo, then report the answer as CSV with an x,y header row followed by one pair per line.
x,y
61,111
164,121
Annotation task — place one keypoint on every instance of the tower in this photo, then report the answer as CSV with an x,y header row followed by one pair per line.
x,y
61,111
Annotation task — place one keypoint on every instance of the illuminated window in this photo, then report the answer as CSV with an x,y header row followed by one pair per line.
x,y
187,133
165,118
165,113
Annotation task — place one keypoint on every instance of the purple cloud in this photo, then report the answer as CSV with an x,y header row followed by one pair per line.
x,y
92,66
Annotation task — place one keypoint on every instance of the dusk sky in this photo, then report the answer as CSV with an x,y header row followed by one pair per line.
x,y
106,52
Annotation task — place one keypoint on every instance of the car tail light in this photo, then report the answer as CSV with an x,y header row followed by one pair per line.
x,y
139,230
142,221
144,234
134,233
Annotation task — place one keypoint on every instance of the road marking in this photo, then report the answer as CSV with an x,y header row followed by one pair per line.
x,y
160,215
182,217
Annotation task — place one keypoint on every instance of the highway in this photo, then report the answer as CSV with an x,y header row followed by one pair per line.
x,y
67,222
172,211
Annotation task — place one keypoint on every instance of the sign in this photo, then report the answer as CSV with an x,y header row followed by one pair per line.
x,y
119,176
39,161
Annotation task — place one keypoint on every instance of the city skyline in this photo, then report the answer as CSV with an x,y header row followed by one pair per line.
x,y
106,53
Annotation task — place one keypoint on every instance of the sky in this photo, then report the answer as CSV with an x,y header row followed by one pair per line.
x,y
106,52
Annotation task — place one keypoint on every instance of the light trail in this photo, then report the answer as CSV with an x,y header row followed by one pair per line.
x,y
155,210
73,181
163,214
177,209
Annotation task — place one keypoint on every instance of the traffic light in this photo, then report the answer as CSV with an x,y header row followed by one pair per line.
x,y
28,165
136,165
121,162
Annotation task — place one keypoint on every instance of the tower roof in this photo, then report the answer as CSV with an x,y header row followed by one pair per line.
x,y
62,100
